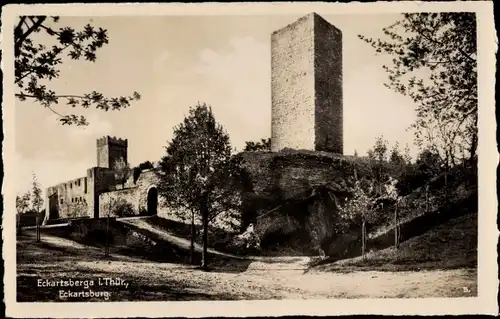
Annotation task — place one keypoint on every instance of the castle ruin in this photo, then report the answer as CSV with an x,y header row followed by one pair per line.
x,y
94,194
306,86
306,94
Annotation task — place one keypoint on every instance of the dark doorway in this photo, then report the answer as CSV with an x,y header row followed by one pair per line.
x,y
152,201
53,207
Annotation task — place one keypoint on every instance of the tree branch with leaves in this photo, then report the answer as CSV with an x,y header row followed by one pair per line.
x,y
263,145
37,63
435,64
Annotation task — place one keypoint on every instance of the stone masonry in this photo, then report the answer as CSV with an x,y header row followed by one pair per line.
x,y
306,86
109,150
86,196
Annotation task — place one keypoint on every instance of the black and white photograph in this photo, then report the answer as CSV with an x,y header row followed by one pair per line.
x,y
249,152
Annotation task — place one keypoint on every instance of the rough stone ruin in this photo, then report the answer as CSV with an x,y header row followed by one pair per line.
x,y
306,86
94,194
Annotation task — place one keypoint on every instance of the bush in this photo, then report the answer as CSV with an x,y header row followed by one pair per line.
x,y
248,240
122,208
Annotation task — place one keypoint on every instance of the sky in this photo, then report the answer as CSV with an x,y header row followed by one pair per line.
x,y
174,62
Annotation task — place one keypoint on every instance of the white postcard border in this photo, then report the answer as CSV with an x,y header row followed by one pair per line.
x,y
485,303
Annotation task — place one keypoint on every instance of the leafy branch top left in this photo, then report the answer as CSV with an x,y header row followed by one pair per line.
x,y
36,62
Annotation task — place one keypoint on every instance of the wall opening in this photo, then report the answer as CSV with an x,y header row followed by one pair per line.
x,y
53,207
152,201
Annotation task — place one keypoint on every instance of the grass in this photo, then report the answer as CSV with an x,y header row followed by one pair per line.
x,y
450,245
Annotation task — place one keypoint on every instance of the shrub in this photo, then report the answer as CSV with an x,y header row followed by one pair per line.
x,y
122,208
248,240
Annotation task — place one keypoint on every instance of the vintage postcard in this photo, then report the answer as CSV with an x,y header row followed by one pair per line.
x,y
249,159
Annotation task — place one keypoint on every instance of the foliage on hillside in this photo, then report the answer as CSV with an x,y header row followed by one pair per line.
x,y
294,197
451,244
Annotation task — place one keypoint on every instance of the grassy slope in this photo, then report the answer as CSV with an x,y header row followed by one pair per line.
x,y
452,244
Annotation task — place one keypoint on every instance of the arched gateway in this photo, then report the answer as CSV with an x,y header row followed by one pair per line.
x,y
152,205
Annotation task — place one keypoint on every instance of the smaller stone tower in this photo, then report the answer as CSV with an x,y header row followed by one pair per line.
x,y
109,150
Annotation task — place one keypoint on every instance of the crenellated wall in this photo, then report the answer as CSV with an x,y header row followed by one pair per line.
x,y
81,197
110,149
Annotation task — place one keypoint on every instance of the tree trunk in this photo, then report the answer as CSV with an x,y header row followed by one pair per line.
x,y
193,234
426,198
396,230
473,148
363,240
204,214
452,158
18,223
446,186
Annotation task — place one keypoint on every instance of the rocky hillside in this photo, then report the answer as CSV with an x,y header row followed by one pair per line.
x,y
292,196
293,199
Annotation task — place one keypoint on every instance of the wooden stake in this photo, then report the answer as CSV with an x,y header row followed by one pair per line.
x,y
107,237
37,230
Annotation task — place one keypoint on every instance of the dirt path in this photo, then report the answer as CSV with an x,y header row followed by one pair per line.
x,y
153,281
178,241
288,262
57,258
260,280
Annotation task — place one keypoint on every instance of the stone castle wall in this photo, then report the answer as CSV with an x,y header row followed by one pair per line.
x,y
81,197
147,180
135,195
306,86
100,180
292,86
90,196
69,199
109,200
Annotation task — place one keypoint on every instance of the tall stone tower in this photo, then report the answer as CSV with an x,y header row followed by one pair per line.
x,y
306,86
109,150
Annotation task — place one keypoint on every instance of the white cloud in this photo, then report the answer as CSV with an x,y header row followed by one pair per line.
x,y
160,61
238,88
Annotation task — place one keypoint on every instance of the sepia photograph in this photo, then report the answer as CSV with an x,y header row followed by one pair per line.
x,y
310,154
